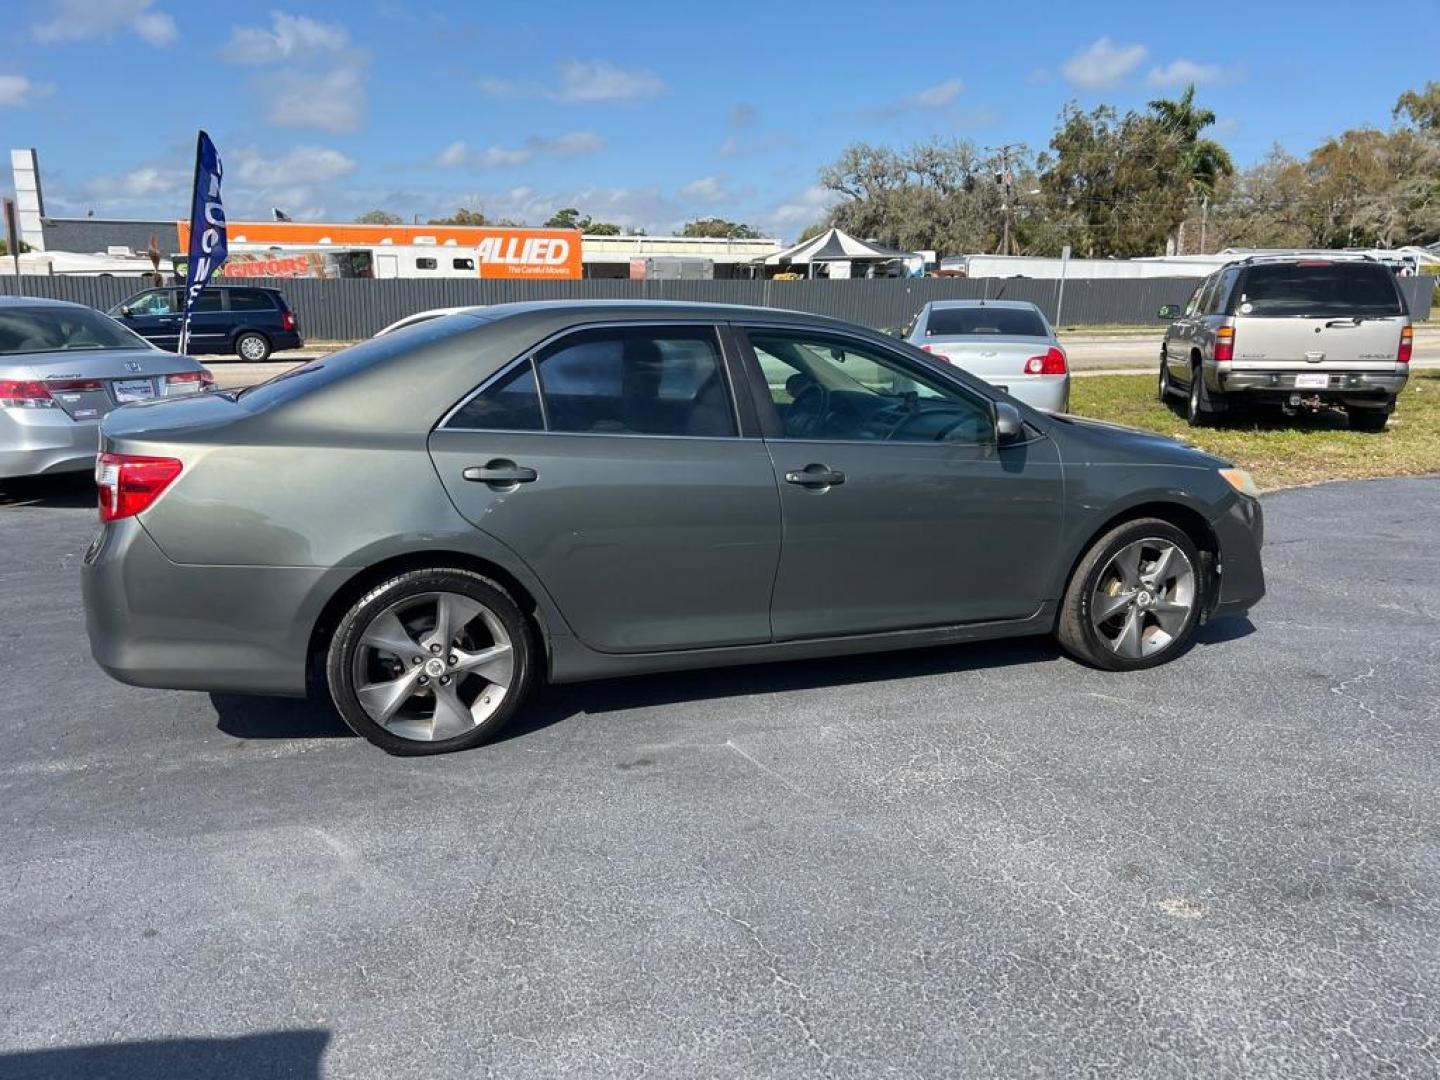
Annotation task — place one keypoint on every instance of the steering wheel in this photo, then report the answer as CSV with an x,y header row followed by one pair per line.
x,y
910,418
809,405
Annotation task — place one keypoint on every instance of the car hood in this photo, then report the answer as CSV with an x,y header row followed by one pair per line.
x,y
1104,441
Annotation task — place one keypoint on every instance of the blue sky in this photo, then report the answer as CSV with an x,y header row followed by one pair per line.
x,y
647,114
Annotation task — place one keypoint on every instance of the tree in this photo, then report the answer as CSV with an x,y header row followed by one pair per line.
x,y
1204,162
1264,206
379,217
5,247
571,218
462,216
1420,107
720,228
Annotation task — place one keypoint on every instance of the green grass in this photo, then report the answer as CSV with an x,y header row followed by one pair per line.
x,y
1282,451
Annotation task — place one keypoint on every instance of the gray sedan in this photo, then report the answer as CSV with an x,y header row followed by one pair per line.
x,y
63,367
425,525
1008,343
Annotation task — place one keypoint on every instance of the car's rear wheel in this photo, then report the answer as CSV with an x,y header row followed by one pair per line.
x,y
1368,419
1135,598
430,661
252,347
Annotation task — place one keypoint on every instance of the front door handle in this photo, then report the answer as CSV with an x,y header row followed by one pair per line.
x,y
500,471
815,476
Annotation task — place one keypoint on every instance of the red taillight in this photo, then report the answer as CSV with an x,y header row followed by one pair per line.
x,y
129,483
937,354
25,394
928,348
287,320
1224,344
190,381
1407,345
74,386
1052,363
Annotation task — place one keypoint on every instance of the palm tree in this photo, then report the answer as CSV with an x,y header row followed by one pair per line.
x,y
1205,161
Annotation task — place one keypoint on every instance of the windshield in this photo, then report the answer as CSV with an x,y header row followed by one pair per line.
x,y
61,329
1317,290
990,321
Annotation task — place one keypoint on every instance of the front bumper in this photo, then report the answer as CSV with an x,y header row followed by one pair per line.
x,y
1240,530
237,629
36,441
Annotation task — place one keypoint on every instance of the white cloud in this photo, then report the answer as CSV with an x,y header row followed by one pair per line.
x,y
707,189
583,81
452,156
302,165
331,101
935,97
1103,63
570,144
742,115
1183,72
76,20
796,211
146,182
287,36
18,90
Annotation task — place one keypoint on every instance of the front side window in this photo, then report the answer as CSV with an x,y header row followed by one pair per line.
x,y
153,303
835,388
637,381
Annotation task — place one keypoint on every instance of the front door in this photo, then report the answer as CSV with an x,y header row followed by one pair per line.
x,y
155,316
619,475
899,509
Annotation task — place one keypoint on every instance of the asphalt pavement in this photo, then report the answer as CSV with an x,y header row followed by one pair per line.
x,y
983,861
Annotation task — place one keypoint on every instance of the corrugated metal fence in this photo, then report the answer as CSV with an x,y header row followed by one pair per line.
x,y
350,309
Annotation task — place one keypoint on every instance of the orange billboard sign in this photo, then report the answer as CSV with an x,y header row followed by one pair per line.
x,y
499,252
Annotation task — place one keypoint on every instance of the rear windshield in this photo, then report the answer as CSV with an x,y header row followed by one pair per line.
x,y
1001,321
61,329
1315,290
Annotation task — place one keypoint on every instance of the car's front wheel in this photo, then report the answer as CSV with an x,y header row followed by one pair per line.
x,y
1135,598
252,347
430,661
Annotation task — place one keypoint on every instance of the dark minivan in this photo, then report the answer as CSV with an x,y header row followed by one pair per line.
x,y
247,321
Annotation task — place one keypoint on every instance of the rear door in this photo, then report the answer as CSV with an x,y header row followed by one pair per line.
x,y
899,509
1313,313
612,462
210,323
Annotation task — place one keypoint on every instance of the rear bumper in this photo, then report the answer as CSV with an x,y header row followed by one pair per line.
x,y
1340,385
1048,392
236,629
36,441
1240,531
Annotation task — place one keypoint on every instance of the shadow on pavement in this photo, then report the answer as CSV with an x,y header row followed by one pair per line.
x,y
66,491
295,1055
247,717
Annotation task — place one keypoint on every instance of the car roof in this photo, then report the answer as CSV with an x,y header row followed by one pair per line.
x,y
39,301
978,303
641,309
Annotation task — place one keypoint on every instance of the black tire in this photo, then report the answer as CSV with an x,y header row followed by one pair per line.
x,y
1074,628
1200,403
1368,419
340,658
1162,391
252,347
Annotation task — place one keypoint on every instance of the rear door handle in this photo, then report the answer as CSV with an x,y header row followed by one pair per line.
x,y
815,476
500,471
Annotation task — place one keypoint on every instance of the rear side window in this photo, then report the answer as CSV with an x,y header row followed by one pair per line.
x,y
1316,290
998,321
250,300
637,381
208,301
512,404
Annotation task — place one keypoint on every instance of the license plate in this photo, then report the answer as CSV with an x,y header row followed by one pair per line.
x,y
133,390
1311,382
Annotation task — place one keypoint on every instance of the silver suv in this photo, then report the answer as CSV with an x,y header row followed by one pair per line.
x,y
1296,331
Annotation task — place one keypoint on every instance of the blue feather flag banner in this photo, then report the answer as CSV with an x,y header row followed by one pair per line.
x,y
208,241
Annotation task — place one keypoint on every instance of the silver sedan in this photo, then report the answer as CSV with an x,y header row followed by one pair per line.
x,y
1008,343
62,368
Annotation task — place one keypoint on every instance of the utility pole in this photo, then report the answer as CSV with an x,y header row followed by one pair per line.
x,y
1204,221
1005,180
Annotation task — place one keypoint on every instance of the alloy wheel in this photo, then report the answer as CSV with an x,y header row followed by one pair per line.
x,y
1143,598
252,348
433,666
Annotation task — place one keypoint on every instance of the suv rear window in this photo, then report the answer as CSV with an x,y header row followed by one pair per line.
x,y
1002,321
1316,290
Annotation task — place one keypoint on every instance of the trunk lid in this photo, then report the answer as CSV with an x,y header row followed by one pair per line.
x,y
88,383
1303,342
993,359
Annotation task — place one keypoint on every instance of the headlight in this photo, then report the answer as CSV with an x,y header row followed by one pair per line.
x,y
1241,481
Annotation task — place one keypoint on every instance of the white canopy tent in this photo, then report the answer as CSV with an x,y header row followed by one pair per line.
x,y
831,246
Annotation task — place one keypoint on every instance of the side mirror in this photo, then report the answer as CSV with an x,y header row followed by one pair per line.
x,y
1009,426
125,313
1168,312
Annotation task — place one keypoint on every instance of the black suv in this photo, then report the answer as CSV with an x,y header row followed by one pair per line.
x,y
247,321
